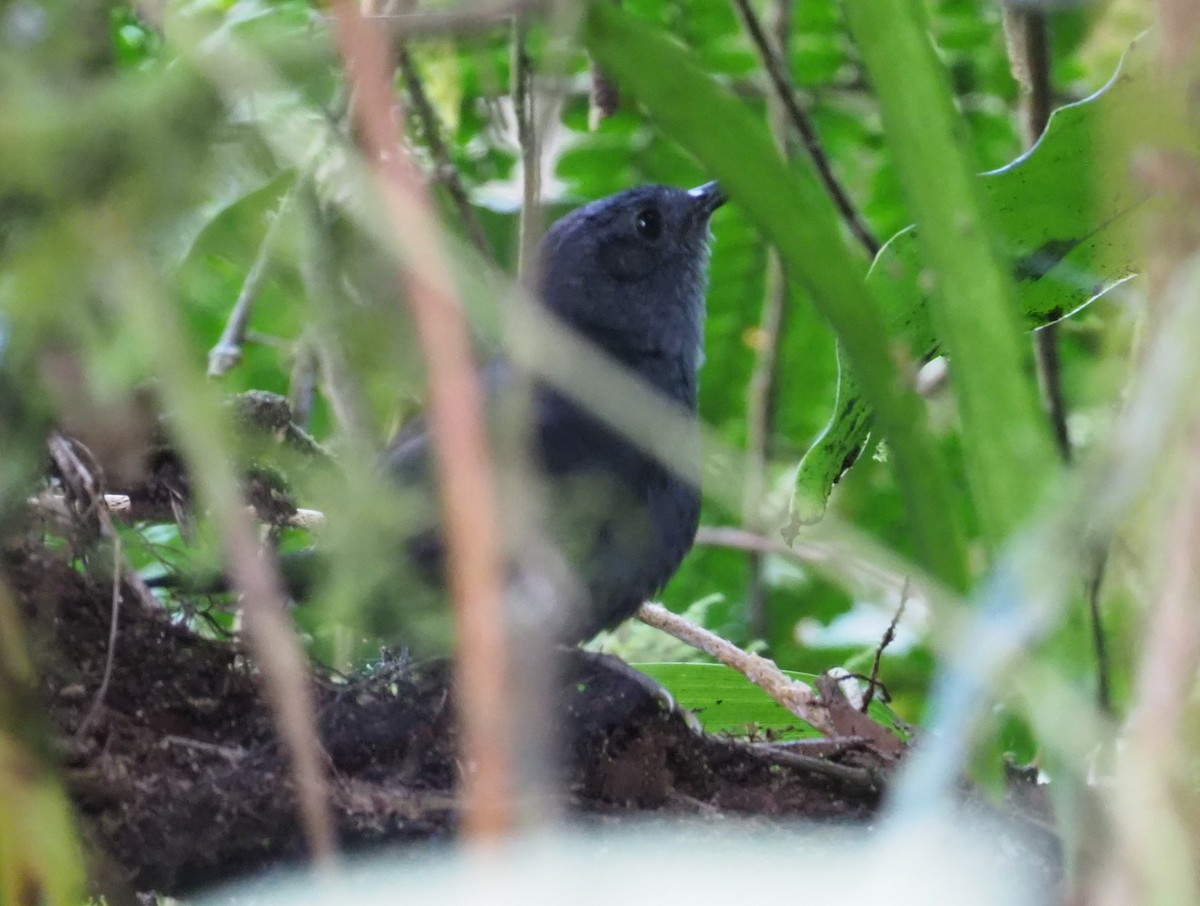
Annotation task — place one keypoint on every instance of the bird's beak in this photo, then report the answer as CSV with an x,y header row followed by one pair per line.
x,y
708,198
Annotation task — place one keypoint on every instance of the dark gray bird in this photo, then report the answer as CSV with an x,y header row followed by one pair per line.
x,y
628,273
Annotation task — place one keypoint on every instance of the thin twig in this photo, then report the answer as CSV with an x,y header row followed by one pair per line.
x,y
1027,39
302,384
888,637
1028,44
85,479
1095,583
120,506
110,656
760,406
531,159
797,697
227,352
339,384
1049,369
760,392
444,170
604,98
777,72
819,555
456,425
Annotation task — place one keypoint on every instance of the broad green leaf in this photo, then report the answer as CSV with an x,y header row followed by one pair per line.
x,y
1068,240
724,701
1005,439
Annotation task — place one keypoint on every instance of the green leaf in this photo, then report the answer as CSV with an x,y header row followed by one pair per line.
x,y
724,701
1005,437
1066,241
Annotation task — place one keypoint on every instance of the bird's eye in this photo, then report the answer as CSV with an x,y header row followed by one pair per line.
x,y
649,223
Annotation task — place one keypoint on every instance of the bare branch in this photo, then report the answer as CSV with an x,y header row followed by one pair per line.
x,y
760,392
777,72
1027,39
824,556
797,697
1095,583
888,637
85,478
444,170
227,352
531,158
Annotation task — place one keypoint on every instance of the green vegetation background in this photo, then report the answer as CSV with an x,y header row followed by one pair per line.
x,y
204,185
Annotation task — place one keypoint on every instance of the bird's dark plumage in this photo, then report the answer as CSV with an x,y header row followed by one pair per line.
x,y
628,273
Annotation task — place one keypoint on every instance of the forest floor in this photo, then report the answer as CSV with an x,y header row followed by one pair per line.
x,y
182,783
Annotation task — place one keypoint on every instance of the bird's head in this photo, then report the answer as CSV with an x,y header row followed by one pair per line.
x,y
629,271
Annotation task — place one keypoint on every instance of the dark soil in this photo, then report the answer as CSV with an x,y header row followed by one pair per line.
x,y
181,782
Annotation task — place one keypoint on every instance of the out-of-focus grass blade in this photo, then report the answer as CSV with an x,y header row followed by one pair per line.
x,y
40,858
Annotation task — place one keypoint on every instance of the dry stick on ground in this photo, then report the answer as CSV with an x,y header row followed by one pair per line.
x,y
777,72
444,170
797,697
760,392
829,712
456,424
85,481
